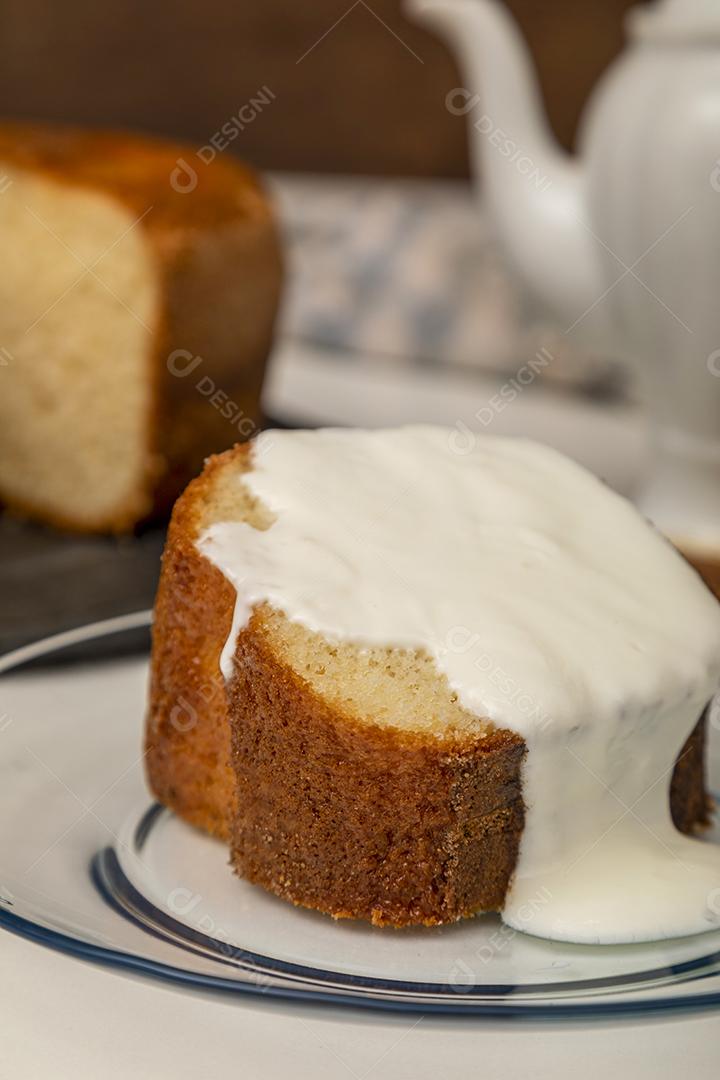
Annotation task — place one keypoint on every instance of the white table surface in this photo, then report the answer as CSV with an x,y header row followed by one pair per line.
x,y
62,1017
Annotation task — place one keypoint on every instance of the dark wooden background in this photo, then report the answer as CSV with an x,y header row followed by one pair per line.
x,y
358,102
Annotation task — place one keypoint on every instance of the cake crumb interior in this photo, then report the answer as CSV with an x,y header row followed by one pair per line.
x,y
397,688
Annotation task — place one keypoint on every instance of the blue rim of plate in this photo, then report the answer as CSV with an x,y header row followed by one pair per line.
x,y
119,891
310,990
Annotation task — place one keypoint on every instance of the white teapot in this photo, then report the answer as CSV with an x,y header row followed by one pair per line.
x,y
621,243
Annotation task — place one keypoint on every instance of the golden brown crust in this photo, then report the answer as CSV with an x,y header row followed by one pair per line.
x,y
188,729
229,328
689,801
217,254
708,568
364,821
137,171
352,819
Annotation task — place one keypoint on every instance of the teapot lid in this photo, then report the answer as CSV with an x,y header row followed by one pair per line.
x,y
676,21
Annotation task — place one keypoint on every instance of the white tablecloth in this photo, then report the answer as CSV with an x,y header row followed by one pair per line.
x,y
64,1018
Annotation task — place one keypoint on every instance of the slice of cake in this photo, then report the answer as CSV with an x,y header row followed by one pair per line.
x,y
409,684
137,302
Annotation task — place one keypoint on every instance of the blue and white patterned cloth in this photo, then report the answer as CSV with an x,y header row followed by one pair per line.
x,y
408,271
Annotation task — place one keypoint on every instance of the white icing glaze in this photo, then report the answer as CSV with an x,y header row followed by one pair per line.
x,y
552,607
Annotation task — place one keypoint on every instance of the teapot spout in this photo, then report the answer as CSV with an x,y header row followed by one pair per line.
x,y
534,191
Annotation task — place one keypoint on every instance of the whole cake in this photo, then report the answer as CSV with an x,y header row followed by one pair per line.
x,y
137,300
409,684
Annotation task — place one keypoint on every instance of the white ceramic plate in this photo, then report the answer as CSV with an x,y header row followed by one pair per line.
x,y
89,865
